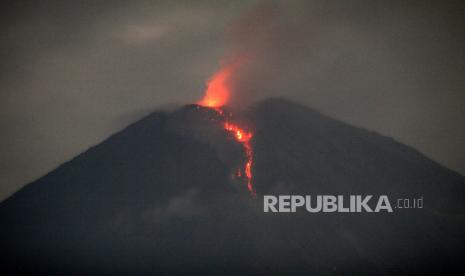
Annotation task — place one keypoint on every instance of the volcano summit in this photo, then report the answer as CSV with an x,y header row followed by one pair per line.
x,y
168,195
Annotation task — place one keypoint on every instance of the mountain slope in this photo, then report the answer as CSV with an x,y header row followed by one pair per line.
x,y
159,197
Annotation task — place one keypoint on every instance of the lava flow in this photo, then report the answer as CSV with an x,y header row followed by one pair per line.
x,y
216,96
243,137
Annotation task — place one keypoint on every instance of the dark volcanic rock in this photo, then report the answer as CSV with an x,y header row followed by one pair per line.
x,y
158,197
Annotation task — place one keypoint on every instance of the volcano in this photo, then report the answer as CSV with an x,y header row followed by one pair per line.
x,y
164,196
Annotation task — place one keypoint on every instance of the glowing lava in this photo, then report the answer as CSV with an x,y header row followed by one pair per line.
x,y
216,96
243,137
217,93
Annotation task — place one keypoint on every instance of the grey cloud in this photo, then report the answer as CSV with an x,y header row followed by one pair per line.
x,y
75,72
396,68
179,207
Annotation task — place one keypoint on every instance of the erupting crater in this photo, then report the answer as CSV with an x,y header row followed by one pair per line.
x,y
216,96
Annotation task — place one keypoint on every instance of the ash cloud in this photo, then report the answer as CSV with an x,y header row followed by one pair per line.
x,y
396,68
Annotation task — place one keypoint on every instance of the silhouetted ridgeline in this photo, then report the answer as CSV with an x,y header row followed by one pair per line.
x,y
159,197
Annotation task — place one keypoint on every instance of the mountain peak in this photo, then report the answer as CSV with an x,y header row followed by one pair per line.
x,y
164,192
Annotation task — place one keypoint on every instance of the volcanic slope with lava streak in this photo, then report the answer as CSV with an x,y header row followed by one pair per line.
x,y
164,196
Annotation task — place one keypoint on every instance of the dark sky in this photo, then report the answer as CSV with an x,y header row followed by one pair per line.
x,y
74,72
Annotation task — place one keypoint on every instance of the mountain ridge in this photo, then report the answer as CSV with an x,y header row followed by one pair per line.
x,y
160,196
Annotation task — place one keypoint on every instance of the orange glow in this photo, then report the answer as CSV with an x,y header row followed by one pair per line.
x,y
243,137
217,93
